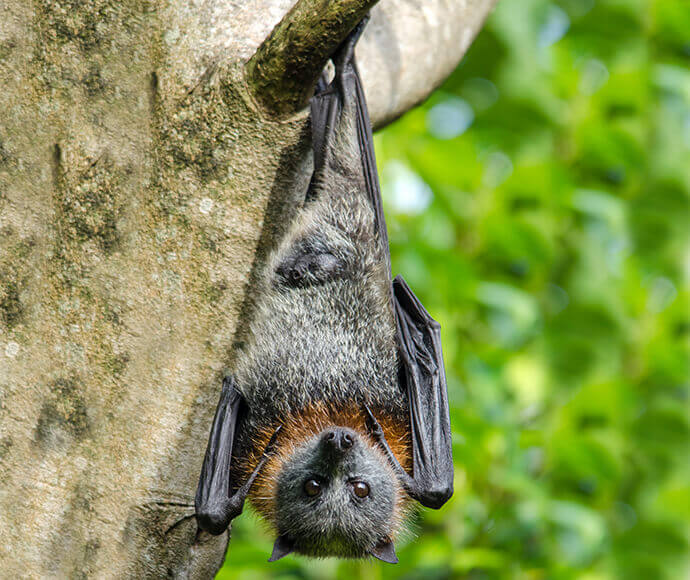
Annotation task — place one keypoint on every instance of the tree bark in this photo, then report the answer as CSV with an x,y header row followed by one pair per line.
x,y
143,177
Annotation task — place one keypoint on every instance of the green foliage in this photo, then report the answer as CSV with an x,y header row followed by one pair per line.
x,y
538,205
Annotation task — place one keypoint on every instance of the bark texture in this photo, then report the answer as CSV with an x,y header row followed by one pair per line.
x,y
140,185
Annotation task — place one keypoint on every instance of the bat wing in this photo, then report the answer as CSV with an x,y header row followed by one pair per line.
x,y
365,139
419,338
341,106
214,506
219,499
215,503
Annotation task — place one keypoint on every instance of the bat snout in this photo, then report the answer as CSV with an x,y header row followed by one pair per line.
x,y
339,439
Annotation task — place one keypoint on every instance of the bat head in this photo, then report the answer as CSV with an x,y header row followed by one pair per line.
x,y
336,495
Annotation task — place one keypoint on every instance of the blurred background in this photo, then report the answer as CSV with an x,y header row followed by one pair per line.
x,y
538,204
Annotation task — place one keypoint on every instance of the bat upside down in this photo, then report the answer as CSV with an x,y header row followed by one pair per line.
x,y
336,415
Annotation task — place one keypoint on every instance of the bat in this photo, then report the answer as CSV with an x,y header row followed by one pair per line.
x,y
335,418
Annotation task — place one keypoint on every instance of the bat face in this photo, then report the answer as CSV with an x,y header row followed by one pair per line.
x,y
336,495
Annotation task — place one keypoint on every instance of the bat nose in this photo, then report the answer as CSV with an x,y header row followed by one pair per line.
x,y
339,439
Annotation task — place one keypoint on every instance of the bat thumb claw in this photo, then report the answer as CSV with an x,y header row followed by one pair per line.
x,y
272,440
372,424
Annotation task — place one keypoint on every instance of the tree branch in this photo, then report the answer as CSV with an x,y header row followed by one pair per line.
x,y
283,71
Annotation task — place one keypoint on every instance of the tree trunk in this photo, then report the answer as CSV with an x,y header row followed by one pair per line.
x,y
145,170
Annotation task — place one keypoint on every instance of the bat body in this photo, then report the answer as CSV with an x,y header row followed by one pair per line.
x,y
336,415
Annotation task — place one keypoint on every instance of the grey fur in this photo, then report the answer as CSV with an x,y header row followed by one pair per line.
x,y
324,332
324,329
336,522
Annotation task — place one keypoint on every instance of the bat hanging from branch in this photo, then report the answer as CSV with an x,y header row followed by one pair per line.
x,y
336,415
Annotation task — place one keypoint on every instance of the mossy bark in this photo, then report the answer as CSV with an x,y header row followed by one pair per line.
x,y
284,70
140,185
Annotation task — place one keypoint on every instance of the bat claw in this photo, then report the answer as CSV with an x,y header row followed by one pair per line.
x,y
373,426
272,440
241,494
346,51
376,431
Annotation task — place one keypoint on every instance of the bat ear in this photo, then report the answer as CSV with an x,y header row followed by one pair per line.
x,y
385,551
281,548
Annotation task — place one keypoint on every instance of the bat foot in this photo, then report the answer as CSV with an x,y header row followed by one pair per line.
x,y
346,51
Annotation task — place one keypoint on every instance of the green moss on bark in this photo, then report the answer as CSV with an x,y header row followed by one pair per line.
x,y
285,68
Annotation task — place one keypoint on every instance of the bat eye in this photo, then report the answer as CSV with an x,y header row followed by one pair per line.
x,y
312,488
360,489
